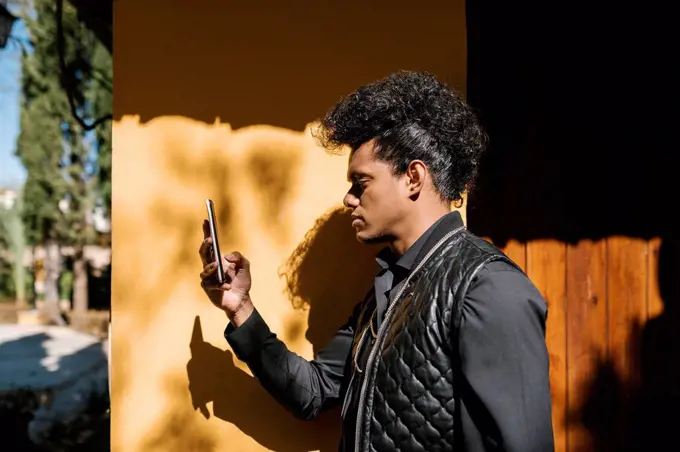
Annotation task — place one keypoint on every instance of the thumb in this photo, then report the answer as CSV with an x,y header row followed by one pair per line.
x,y
237,258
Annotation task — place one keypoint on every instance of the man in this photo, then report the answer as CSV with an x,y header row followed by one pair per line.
x,y
447,351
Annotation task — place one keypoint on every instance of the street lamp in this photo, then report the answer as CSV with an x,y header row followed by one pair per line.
x,y
6,21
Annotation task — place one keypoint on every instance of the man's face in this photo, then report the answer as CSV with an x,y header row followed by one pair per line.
x,y
377,197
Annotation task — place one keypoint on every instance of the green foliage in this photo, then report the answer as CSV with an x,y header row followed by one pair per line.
x,y
66,167
14,240
65,285
101,95
8,285
7,289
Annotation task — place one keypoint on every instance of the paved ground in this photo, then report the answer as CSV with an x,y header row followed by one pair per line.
x,y
39,357
63,363
8,313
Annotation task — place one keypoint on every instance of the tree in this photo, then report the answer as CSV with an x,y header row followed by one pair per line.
x,y
13,237
100,94
62,160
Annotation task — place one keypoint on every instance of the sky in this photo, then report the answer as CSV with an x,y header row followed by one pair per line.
x,y
12,173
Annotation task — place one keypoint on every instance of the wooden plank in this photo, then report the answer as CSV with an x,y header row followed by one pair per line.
x,y
654,301
517,251
627,292
586,332
546,265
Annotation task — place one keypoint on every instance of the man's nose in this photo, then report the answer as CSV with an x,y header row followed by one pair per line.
x,y
350,200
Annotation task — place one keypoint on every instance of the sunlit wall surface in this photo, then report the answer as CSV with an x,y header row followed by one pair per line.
x,y
213,99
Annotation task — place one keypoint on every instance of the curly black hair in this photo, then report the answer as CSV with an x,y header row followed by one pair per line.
x,y
411,116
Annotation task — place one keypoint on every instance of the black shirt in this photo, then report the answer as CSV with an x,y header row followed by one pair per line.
x,y
502,350
393,272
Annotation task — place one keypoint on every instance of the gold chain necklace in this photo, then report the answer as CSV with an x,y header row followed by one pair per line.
x,y
370,323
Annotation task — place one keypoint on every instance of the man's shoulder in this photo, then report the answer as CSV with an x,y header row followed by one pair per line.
x,y
502,280
495,271
473,252
501,268
482,245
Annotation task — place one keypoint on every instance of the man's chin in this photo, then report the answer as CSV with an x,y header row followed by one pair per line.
x,y
370,239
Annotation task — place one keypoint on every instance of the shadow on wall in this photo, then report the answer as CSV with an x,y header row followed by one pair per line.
x,y
583,146
269,186
581,112
169,226
273,176
153,254
328,273
641,413
181,430
281,64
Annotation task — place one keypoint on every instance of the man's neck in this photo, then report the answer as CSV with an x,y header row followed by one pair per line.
x,y
415,227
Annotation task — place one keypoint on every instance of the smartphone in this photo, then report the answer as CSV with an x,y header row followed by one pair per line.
x,y
215,242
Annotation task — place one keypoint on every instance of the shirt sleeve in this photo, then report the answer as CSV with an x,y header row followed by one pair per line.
x,y
303,387
505,386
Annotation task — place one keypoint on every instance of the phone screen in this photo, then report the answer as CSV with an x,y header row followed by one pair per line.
x,y
215,242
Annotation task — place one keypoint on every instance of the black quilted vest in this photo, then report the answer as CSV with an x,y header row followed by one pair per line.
x,y
409,397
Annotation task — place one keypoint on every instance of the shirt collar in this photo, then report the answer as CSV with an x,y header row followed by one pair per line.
x,y
386,258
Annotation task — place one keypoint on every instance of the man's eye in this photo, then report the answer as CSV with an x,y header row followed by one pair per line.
x,y
359,186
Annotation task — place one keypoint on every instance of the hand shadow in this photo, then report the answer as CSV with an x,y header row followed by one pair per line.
x,y
328,273
240,400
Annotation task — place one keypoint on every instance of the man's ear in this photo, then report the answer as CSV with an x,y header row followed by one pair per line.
x,y
416,173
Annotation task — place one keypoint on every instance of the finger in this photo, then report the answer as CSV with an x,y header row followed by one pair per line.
x,y
238,259
210,285
228,265
213,286
208,270
205,251
205,245
229,270
206,229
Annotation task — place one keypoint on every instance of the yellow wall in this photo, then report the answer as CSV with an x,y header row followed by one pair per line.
x,y
175,384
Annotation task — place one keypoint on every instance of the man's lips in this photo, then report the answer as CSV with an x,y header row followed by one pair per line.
x,y
356,221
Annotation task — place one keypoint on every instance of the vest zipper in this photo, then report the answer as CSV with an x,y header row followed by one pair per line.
x,y
351,380
381,330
